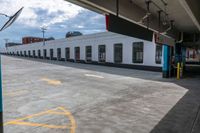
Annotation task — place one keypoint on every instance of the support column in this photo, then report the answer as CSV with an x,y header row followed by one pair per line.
x,y
166,61
183,57
1,100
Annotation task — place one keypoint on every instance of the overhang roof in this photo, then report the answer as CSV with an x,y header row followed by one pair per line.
x,y
185,13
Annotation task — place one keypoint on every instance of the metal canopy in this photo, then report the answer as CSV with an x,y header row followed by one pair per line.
x,y
178,10
185,13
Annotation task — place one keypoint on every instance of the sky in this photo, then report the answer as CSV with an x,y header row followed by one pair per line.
x,y
58,16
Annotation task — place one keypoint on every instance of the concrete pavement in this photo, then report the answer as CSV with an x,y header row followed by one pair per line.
x,y
42,96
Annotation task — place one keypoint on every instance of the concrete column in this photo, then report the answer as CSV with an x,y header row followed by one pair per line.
x,y
166,61
183,55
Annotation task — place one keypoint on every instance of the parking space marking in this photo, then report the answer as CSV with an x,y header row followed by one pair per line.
x,y
40,125
92,75
52,82
57,111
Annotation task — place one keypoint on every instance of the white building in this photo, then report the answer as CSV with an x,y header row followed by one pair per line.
x,y
192,55
101,48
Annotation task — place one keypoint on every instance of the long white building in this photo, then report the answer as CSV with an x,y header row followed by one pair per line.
x,y
105,48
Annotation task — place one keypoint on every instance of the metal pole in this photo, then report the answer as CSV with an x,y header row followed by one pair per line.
x,y
43,31
159,20
117,8
148,12
1,100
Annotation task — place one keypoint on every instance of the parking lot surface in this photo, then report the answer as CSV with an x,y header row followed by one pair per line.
x,y
43,96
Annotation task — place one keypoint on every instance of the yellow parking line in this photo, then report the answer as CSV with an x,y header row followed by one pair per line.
x,y
57,113
71,126
39,125
72,120
27,117
51,82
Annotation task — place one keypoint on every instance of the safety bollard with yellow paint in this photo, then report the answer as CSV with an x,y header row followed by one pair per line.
x,y
178,71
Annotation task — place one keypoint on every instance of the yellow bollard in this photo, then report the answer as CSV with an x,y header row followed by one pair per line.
x,y
178,71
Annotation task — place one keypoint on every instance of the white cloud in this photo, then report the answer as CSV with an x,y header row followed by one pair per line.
x,y
29,16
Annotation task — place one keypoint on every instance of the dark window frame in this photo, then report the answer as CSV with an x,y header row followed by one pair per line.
x,y
51,53
116,47
44,53
39,53
34,54
158,54
77,54
88,53
59,53
67,53
24,53
102,55
29,53
138,52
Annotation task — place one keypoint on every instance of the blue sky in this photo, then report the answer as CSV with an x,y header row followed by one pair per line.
x,y
58,16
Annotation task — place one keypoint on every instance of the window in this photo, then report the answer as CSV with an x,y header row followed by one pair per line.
x,y
51,54
67,53
138,48
118,53
39,54
33,53
20,53
102,53
158,56
77,53
58,53
29,53
88,51
44,53
24,53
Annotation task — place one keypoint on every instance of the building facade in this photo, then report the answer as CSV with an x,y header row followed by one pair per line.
x,y
192,55
28,40
105,48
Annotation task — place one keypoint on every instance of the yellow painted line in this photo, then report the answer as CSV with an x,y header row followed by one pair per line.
x,y
57,111
52,82
27,117
95,76
71,118
40,125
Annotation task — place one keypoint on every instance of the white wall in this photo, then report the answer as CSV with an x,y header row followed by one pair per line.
x,y
94,40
